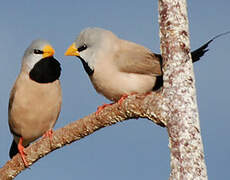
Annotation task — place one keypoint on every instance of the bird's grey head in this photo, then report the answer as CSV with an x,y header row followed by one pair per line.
x,y
92,41
37,50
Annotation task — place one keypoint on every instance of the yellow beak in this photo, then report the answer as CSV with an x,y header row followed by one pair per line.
x,y
48,51
72,51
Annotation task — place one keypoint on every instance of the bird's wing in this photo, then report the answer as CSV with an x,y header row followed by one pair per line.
x,y
11,101
134,58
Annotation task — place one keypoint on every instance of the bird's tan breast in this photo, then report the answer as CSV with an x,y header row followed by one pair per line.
x,y
112,83
35,107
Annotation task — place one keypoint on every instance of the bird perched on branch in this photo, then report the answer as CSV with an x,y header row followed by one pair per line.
x,y
35,99
118,68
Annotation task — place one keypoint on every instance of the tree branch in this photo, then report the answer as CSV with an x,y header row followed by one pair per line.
x,y
133,107
187,156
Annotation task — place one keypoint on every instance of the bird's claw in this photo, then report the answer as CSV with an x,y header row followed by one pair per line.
x,y
124,97
49,134
120,101
100,108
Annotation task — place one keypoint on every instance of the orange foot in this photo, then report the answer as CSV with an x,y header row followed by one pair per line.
x,y
123,97
102,107
49,134
148,93
22,153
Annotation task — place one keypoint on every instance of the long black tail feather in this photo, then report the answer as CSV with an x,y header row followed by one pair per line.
x,y
196,55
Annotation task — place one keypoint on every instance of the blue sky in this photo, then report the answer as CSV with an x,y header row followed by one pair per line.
x,y
135,149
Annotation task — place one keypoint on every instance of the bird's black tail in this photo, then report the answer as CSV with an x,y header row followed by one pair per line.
x,y
13,149
196,55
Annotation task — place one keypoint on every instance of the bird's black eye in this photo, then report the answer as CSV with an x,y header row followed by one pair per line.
x,y
37,51
82,48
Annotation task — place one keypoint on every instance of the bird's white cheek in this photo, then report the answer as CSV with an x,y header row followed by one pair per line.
x,y
29,62
89,58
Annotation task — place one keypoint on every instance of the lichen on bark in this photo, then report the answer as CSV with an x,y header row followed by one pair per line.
x,y
185,143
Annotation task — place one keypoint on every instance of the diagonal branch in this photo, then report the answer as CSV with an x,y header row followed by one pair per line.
x,y
133,107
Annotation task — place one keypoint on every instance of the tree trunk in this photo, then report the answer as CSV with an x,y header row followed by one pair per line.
x,y
187,156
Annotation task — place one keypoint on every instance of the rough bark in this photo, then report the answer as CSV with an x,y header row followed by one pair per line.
x,y
187,156
133,107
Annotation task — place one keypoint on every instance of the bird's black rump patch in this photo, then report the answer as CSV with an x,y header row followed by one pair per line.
x,y
13,149
88,70
46,70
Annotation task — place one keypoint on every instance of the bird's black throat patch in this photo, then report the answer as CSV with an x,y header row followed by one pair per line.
x,y
46,70
88,70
